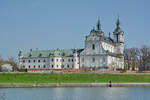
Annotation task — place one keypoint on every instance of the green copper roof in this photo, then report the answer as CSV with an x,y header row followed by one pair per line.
x,y
20,53
118,29
48,53
98,24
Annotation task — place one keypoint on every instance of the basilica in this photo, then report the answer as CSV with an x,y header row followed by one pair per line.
x,y
99,52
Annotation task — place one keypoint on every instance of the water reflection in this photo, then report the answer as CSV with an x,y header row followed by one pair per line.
x,y
114,93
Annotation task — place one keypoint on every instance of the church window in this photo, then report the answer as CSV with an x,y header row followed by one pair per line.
x,y
62,66
93,59
68,66
93,46
44,60
117,37
23,61
52,60
68,60
44,66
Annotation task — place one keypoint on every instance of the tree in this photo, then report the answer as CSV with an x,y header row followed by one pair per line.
x,y
12,62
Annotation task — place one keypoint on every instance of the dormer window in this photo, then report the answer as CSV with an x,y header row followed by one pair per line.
x,y
93,46
40,55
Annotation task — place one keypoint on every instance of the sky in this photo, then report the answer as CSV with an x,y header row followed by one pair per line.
x,y
52,24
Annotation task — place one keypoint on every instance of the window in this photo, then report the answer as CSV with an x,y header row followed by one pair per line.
x,y
29,61
34,66
57,66
93,59
34,61
23,61
93,46
63,60
39,66
29,66
57,60
52,66
38,60
68,66
44,66
72,66
52,60
62,66
68,60
44,60
72,60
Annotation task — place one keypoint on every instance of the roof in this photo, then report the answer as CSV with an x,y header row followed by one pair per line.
x,y
107,40
48,53
100,34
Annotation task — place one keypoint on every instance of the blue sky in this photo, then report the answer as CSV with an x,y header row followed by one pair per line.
x,y
51,24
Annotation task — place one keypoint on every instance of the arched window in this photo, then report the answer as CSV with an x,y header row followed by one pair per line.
x,y
44,60
68,60
68,66
44,66
23,61
93,46
62,66
52,59
93,59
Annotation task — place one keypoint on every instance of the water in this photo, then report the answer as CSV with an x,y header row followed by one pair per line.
x,y
102,93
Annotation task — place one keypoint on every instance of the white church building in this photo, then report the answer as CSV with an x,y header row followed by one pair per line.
x,y
100,52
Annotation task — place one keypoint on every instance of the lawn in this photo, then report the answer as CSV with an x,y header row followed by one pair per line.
x,y
72,78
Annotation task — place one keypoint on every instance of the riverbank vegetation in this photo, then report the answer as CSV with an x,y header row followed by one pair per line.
x,y
72,78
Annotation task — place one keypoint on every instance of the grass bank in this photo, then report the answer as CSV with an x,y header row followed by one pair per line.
x,y
72,78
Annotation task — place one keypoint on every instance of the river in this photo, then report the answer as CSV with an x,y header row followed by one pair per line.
x,y
91,93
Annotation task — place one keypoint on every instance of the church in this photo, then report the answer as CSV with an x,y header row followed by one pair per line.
x,y
100,52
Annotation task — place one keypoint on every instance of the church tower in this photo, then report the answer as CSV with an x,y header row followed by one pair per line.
x,y
98,28
119,38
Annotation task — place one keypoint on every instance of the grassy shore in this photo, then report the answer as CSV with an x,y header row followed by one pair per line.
x,y
72,78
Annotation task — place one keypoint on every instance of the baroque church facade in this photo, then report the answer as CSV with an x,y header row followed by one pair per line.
x,y
100,52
